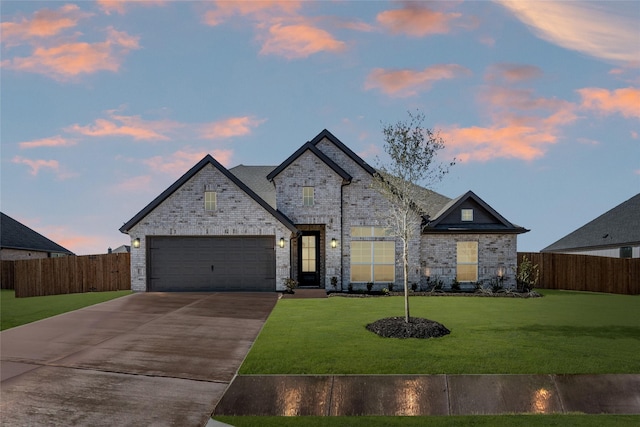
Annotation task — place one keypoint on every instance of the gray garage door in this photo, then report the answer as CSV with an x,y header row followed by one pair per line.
x,y
212,264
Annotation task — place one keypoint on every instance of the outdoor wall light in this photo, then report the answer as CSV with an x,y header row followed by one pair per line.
x,y
136,242
281,242
500,272
334,243
427,272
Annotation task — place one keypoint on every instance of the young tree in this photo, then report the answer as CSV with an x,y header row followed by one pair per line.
x,y
412,166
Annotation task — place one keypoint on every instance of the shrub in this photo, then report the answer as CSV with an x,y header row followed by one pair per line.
x,y
391,287
455,286
369,286
291,284
528,275
334,282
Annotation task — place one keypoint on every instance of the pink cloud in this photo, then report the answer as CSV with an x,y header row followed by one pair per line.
x,y
54,141
228,128
416,20
74,58
39,164
44,23
513,73
522,126
131,126
406,83
299,41
181,161
624,101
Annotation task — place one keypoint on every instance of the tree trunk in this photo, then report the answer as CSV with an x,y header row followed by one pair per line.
x,y
405,262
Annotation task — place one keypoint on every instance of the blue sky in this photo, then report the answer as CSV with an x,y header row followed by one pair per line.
x,y
105,104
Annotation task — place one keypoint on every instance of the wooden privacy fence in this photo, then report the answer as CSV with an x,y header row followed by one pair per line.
x,y
586,272
71,274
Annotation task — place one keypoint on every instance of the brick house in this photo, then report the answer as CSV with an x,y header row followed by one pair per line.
x,y
314,218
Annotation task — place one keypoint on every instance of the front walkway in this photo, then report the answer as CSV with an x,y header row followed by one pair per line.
x,y
403,395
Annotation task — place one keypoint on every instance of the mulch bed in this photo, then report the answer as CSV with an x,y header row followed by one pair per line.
x,y
418,327
532,294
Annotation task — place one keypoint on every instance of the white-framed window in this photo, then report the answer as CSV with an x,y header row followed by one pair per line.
x,y
307,196
467,215
210,201
467,262
372,260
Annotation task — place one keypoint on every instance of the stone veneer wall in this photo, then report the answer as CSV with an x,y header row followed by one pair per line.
x,y
183,214
438,254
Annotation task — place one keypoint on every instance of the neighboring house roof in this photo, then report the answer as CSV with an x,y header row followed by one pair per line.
x,y
255,177
207,160
14,235
617,227
310,147
488,219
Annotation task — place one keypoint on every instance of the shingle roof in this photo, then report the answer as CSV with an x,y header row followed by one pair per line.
x,y
255,177
14,235
617,227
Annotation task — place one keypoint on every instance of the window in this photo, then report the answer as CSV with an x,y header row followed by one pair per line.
x,y
626,252
369,232
372,260
308,254
467,215
467,262
210,201
307,196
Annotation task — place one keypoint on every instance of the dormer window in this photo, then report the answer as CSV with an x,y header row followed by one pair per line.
x,y
467,215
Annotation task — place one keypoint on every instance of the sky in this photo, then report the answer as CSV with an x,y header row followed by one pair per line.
x,y
103,105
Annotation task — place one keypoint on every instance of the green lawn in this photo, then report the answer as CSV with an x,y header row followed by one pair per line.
x,y
564,332
481,420
18,311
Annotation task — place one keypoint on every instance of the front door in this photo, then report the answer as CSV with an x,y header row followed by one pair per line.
x,y
309,259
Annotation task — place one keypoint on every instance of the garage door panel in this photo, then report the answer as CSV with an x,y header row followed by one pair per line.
x,y
212,263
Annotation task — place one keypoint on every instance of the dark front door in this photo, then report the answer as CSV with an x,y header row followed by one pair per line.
x,y
309,259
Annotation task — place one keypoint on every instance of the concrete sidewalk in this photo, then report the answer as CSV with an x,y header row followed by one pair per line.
x,y
403,395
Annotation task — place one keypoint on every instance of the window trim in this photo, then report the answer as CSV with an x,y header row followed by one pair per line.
x,y
374,263
210,205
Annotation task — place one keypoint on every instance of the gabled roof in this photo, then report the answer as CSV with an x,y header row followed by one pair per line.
x,y
326,134
14,235
310,147
207,160
498,223
617,227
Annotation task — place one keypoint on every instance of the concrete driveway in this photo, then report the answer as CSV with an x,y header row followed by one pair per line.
x,y
161,359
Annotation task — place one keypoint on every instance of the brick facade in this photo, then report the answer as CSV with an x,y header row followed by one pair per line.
x,y
495,251
343,198
183,214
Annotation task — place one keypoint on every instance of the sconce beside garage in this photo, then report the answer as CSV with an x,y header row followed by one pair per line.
x,y
136,242
281,243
